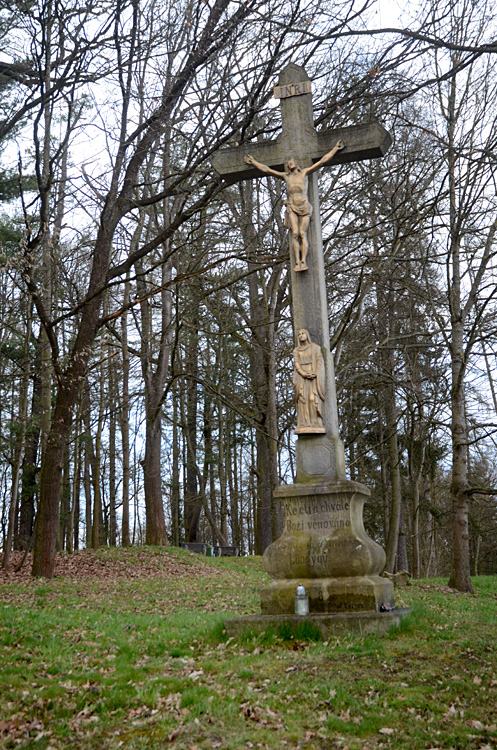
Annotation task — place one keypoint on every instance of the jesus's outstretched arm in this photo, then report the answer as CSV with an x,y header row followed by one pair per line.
x,y
325,159
263,167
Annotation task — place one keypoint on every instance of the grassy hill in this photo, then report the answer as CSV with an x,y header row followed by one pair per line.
x,y
126,649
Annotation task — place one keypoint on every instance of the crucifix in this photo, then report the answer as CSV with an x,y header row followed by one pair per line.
x,y
295,156
324,546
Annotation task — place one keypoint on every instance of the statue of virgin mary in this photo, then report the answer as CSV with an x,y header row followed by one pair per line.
x,y
309,384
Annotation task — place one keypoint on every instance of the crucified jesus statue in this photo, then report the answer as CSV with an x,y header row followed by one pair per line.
x,y
298,209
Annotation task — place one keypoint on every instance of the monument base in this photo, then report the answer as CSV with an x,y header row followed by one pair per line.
x,y
324,547
324,535
329,595
327,625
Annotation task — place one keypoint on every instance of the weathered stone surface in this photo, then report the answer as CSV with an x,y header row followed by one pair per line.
x,y
309,382
362,142
362,623
325,547
401,578
324,534
329,595
319,458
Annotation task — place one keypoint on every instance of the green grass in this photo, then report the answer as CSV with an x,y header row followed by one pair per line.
x,y
144,662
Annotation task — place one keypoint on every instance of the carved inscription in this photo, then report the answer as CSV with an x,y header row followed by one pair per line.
x,y
320,517
348,606
292,89
326,525
319,506
308,559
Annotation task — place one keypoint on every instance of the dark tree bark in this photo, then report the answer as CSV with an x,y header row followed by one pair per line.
x,y
124,420
112,455
385,322
175,485
193,503
29,483
65,506
154,376
155,531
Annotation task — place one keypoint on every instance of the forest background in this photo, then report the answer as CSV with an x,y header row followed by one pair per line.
x,y
146,335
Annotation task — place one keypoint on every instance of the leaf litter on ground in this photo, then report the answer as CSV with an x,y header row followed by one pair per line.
x,y
125,648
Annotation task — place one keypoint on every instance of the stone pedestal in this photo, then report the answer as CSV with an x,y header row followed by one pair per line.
x,y
360,623
319,458
324,546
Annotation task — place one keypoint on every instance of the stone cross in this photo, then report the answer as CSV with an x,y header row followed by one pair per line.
x,y
320,457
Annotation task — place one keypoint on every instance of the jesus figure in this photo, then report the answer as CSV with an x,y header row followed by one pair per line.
x,y
298,209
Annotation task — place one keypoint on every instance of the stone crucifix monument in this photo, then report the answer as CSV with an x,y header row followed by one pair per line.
x,y
324,545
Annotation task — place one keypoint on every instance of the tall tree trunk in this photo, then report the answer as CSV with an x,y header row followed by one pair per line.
x,y
202,498
124,421
46,263
65,505
263,378
89,467
230,474
154,381
208,469
50,483
175,494
416,463
29,485
387,362
19,444
223,490
193,503
416,557
73,536
155,531
430,527
460,577
396,498
98,531
402,560
112,454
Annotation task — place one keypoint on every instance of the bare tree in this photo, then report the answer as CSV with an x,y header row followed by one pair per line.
x,y
467,136
212,29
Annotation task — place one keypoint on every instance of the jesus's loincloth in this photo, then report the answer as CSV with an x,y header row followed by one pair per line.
x,y
297,206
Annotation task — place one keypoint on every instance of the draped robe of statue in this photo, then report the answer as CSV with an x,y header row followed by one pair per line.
x,y
309,382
